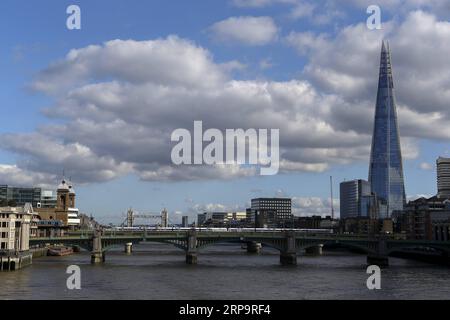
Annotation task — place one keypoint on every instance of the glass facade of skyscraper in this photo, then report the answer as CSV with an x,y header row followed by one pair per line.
x,y
386,169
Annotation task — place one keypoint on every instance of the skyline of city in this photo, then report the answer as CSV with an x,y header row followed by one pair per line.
x,y
287,66
220,156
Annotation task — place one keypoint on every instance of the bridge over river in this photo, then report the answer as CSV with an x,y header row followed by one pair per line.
x,y
289,243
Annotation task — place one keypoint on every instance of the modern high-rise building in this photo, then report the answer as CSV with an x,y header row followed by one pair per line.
x,y
356,199
386,168
282,207
443,177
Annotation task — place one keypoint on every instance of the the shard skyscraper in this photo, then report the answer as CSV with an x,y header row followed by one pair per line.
x,y
386,169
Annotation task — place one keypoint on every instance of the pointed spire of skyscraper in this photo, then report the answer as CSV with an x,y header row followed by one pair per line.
x,y
386,168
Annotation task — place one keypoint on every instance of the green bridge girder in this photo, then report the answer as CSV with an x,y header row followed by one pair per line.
x,y
275,240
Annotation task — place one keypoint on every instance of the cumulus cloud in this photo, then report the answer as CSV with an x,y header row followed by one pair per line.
x,y
112,122
345,65
16,176
426,166
253,31
116,104
309,206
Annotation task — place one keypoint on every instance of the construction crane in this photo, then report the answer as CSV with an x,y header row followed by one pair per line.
x,y
163,217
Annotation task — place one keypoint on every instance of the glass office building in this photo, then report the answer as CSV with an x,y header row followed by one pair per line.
x,y
355,198
20,196
386,169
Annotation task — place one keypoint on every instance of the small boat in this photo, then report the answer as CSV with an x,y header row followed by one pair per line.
x,y
59,251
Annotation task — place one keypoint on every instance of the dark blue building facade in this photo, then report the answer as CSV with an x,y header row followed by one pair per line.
x,y
386,169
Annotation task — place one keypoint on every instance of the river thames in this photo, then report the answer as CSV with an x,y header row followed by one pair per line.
x,y
158,271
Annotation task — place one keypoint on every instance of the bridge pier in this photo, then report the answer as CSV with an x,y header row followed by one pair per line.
x,y
379,260
128,247
253,247
380,256
191,252
97,257
288,256
288,259
97,253
315,250
191,258
76,249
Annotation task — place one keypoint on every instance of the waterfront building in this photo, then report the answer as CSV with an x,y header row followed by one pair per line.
x,y
265,218
65,209
425,219
315,222
16,226
443,177
366,225
222,219
386,168
282,207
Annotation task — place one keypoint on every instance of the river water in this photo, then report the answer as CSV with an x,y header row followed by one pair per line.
x,y
158,271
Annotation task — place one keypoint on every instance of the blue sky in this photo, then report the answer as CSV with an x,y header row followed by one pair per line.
x,y
308,49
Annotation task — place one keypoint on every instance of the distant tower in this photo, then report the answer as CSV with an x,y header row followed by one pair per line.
x,y
331,197
63,194
386,169
71,195
443,177
164,218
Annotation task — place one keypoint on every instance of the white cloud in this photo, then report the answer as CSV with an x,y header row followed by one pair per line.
x,y
426,166
116,104
253,31
309,206
16,176
346,65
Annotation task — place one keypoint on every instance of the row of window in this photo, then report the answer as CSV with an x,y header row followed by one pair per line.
x,y
4,224
6,216
4,235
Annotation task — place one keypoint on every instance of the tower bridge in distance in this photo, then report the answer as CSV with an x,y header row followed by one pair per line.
x,y
288,242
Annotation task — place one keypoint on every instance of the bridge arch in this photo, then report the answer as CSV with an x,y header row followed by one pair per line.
x,y
442,249
348,245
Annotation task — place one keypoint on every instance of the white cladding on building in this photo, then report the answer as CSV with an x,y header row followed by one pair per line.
x,y
17,224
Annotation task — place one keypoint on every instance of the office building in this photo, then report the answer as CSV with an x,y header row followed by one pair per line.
x,y
386,168
282,207
443,177
265,218
18,196
222,219
356,199
184,222
48,199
